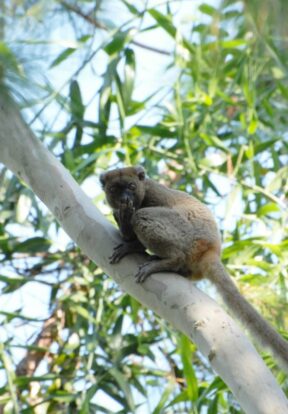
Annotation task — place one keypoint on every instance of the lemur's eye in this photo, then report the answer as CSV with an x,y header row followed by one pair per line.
x,y
132,186
113,189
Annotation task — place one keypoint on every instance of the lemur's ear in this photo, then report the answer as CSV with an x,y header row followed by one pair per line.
x,y
140,172
102,179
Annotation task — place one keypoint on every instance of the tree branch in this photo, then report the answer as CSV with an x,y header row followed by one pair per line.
x,y
171,296
102,26
28,365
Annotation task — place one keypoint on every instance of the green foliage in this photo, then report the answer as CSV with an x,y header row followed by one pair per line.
x,y
219,131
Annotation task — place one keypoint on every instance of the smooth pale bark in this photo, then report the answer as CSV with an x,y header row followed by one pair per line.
x,y
174,298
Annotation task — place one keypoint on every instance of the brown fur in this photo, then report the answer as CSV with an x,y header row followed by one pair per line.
x,y
183,235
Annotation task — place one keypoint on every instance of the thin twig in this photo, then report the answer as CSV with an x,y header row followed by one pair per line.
x,y
102,26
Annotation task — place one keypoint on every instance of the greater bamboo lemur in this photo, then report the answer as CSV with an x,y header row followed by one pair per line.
x,y
182,233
